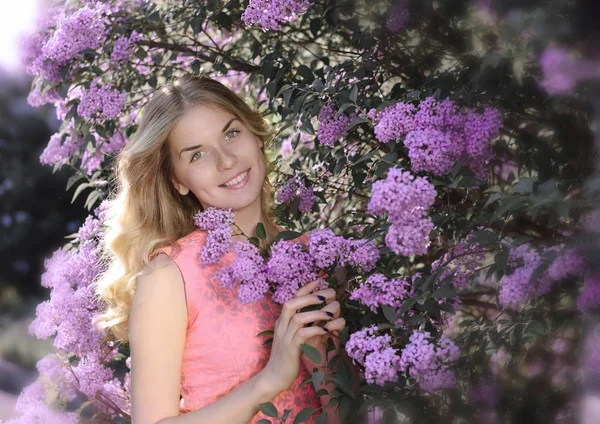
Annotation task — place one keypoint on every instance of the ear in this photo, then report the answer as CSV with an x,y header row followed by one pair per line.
x,y
183,190
260,143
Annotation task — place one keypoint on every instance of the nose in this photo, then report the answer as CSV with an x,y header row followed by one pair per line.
x,y
225,159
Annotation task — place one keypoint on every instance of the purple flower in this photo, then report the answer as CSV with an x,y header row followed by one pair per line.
x,y
406,199
213,218
247,269
216,245
562,71
393,122
378,290
381,361
324,247
398,16
104,100
123,46
307,199
297,188
288,268
288,190
331,127
428,363
271,13
402,194
589,299
84,29
363,253
479,130
91,374
432,150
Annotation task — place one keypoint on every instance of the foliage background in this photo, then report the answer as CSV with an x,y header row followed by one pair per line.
x,y
535,62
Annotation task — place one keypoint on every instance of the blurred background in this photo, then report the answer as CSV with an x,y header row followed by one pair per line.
x,y
35,210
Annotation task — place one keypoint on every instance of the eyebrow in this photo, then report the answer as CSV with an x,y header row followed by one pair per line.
x,y
185,149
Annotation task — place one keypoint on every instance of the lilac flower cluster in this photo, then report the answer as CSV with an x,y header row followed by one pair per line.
x,y
123,46
429,364
213,218
271,13
398,16
293,188
460,262
248,269
288,268
93,223
406,199
375,353
589,299
69,315
326,248
217,223
84,29
431,150
516,288
437,134
290,264
331,127
562,71
378,290
104,100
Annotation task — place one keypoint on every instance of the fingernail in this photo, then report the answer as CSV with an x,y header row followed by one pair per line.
x,y
321,297
325,329
329,313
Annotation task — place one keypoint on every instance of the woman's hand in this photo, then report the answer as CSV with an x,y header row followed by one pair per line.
x,y
334,326
291,331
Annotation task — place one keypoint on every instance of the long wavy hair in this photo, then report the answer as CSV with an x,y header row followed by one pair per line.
x,y
145,211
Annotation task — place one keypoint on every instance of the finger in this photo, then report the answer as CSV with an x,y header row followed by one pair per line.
x,y
307,288
335,326
333,307
305,333
291,306
299,320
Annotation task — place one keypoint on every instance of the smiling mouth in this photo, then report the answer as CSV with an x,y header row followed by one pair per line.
x,y
236,180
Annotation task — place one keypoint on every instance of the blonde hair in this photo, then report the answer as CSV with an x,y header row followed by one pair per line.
x,y
146,212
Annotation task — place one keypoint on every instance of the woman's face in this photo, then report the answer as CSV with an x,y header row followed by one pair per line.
x,y
216,157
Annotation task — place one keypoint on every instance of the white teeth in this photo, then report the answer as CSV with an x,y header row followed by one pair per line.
x,y
236,180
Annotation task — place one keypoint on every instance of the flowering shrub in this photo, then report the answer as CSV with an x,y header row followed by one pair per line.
x,y
426,154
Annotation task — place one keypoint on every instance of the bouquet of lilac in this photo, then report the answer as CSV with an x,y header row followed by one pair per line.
x,y
284,266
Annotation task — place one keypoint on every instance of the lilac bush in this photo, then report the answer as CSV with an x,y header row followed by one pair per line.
x,y
422,147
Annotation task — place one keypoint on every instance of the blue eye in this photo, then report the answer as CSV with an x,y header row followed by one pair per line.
x,y
232,131
194,155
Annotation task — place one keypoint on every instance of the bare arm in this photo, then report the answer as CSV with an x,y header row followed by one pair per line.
x,y
157,326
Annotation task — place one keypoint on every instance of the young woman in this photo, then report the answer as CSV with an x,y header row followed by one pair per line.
x,y
200,145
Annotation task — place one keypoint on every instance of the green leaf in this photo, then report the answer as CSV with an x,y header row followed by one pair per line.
x,y
264,333
264,422
322,418
312,353
389,313
304,415
317,379
269,409
343,384
268,341
444,291
287,235
354,94
260,231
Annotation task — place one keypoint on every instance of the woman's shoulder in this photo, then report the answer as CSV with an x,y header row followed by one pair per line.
x,y
191,240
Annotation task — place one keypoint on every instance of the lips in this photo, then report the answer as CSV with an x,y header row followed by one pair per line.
x,y
235,178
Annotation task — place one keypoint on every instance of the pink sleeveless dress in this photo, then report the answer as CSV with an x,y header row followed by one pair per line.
x,y
222,347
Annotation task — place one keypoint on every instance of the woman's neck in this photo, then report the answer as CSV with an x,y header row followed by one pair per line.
x,y
247,218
